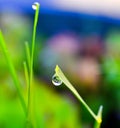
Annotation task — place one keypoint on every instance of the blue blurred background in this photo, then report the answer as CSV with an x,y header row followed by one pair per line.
x,y
83,38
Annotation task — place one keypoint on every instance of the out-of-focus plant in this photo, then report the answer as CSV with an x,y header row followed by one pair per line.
x,y
57,80
38,110
28,70
12,71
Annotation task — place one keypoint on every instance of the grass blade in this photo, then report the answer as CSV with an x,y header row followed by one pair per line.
x,y
27,49
12,71
99,116
30,63
26,74
62,77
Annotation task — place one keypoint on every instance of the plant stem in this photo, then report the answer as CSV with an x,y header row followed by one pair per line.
x,y
99,116
26,74
60,74
31,61
27,54
12,72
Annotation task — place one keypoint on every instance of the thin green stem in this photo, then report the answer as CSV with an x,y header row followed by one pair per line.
x,y
12,72
62,77
27,81
97,125
26,73
31,60
27,53
99,116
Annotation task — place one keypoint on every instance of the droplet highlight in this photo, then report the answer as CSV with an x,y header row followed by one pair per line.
x,y
35,5
56,80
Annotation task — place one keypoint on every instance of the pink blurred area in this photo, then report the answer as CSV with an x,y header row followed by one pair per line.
x,y
78,56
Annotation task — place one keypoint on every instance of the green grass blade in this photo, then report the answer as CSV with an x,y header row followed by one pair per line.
x,y
12,71
27,49
99,117
60,74
33,38
33,46
26,74
30,91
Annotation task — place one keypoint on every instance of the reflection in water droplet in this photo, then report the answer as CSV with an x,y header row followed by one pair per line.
x,y
34,6
56,80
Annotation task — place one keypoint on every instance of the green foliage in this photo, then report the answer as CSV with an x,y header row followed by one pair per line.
x,y
37,110
42,109
12,71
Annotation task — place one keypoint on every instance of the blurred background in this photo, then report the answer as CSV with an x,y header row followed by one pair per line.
x,y
83,38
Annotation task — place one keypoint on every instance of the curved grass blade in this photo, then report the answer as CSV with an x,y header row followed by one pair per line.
x,y
61,75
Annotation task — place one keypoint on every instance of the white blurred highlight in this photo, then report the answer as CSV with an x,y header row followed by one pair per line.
x,y
107,8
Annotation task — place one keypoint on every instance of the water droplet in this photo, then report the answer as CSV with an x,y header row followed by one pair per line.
x,y
56,80
34,6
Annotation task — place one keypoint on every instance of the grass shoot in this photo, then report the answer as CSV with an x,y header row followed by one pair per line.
x,y
58,77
